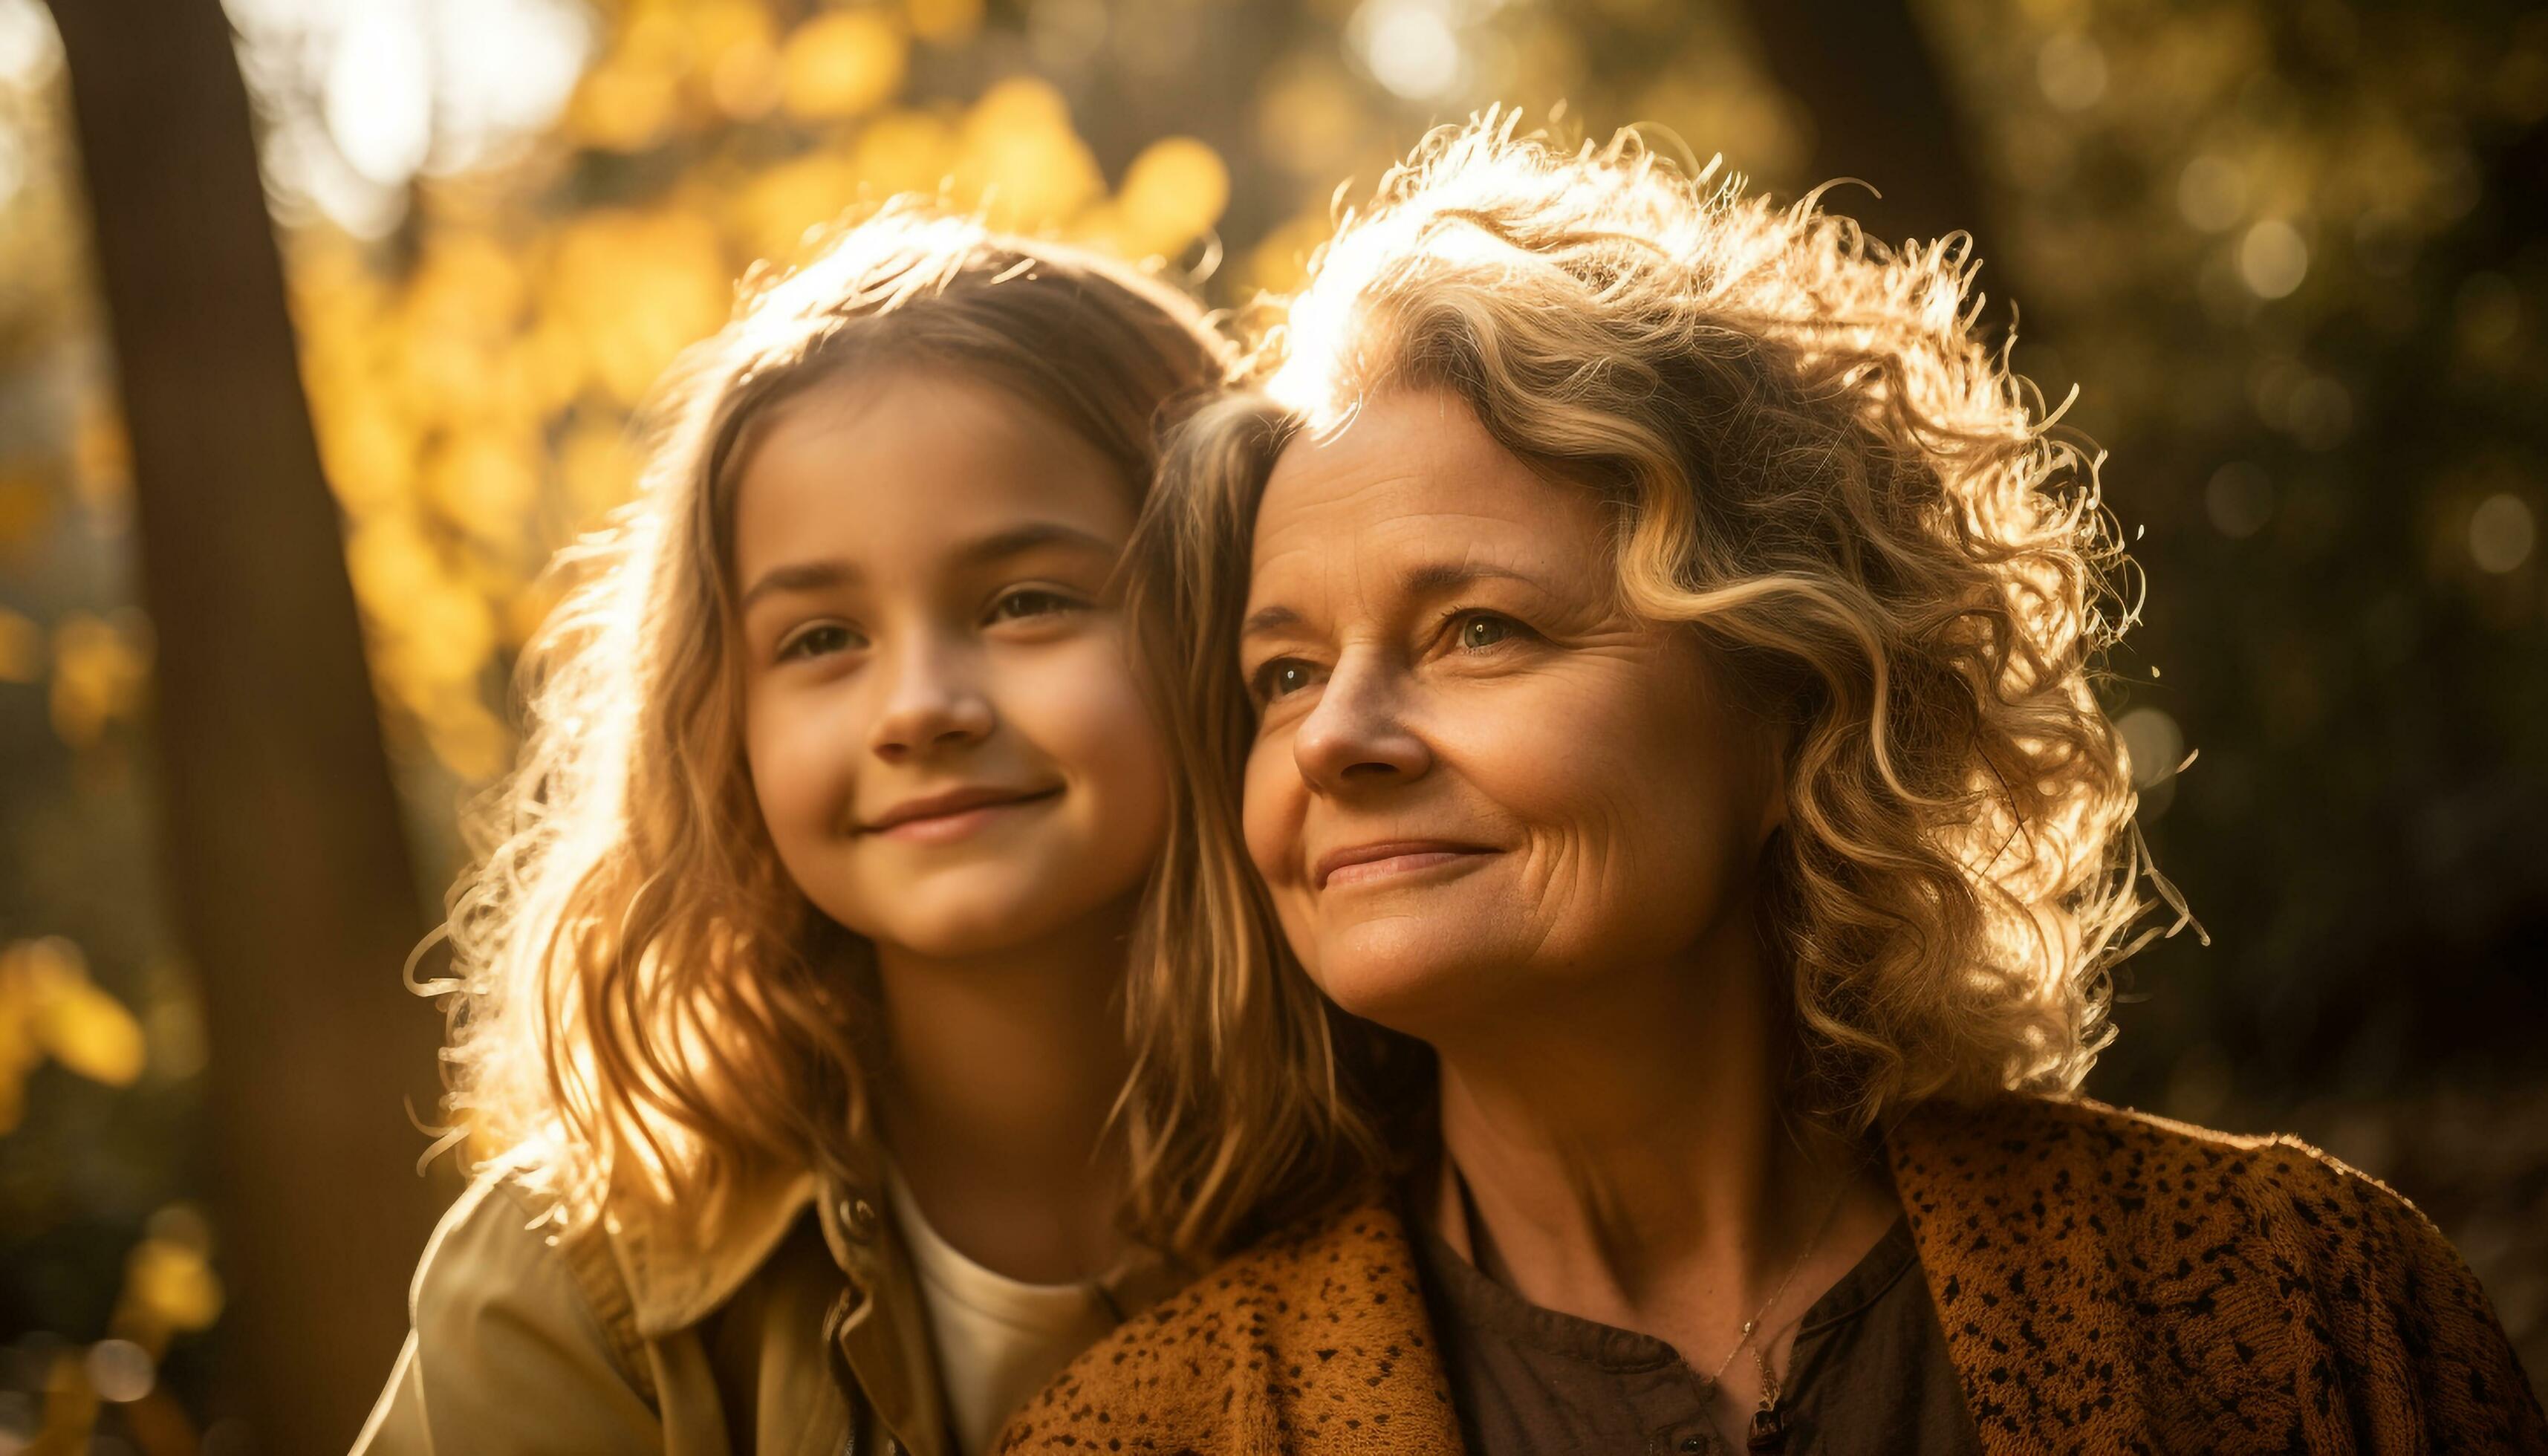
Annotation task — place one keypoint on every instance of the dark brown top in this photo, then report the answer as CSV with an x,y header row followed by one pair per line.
x,y
1869,1371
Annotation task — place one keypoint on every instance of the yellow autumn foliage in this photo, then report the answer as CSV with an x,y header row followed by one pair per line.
x,y
21,648
49,1007
943,22
101,674
841,65
169,1288
472,391
1172,194
1019,159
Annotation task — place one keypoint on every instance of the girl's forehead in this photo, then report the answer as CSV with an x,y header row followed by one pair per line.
x,y
906,469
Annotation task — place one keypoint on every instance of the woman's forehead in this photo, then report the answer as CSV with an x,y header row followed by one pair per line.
x,y
1413,487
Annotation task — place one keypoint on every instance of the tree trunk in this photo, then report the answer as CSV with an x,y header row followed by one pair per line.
x,y
1882,113
283,844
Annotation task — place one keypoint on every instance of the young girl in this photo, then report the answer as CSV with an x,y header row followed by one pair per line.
x,y
788,989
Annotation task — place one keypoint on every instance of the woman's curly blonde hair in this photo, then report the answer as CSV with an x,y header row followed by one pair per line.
x,y
1814,462
645,1008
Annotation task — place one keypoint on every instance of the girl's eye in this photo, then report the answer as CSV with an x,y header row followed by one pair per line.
x,y
818,640
1033,602
1281,677
1479,630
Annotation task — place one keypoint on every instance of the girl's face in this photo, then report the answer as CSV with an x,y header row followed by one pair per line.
x,y
1478,781
943,727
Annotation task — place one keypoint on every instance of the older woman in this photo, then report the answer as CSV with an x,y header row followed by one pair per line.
x,y
1641,642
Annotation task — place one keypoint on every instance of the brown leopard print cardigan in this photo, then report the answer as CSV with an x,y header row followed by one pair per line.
x,y
2107,1282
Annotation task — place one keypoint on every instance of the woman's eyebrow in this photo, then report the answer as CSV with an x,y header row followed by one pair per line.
x,y
1428,579
1442,577
1267,621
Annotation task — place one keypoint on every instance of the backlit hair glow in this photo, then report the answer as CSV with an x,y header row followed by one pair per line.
x,y
1814,462
645,1009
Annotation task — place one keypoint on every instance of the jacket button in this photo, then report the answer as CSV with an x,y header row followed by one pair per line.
x,y
859,1216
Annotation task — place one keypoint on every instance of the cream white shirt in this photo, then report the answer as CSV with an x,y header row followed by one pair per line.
x,y
999,1339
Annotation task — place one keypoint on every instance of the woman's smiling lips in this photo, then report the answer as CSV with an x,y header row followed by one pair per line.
x,y
941,818
1361,863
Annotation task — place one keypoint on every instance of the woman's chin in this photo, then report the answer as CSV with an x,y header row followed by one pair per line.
x,y
1411,990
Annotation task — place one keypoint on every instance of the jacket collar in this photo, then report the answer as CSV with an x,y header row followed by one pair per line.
x,y
678,1271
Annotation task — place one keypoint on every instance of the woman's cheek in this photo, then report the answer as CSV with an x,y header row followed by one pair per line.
x,y
1269,812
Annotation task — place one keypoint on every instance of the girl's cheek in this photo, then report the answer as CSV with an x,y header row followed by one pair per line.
x,y
1082,707
800,769
1091,717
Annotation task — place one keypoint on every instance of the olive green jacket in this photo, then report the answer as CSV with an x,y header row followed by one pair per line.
x,y
795,1327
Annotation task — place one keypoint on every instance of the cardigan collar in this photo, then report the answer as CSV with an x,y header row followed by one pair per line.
x,y
2105,1281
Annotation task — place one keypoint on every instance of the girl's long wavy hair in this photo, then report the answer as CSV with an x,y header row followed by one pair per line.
x,y
1812,461
643,1005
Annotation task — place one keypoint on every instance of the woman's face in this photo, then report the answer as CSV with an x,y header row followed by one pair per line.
x,y
1476,779
944,734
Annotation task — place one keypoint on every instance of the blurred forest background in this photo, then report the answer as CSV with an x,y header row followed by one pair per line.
x,y
321,322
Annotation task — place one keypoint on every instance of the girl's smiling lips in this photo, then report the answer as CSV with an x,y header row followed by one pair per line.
x,y
939,817
1382,859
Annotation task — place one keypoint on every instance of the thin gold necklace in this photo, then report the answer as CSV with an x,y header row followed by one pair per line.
x,y
1769,1380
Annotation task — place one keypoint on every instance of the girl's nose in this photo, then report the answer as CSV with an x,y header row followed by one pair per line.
x,y
1356,736
932,705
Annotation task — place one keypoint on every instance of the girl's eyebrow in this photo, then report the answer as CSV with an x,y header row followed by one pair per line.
x,y
817,576
807,576
1017,540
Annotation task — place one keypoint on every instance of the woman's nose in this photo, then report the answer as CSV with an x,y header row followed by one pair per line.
x,y
933,702
1357,736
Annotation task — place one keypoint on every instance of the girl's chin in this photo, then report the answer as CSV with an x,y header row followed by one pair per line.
x,y
984,923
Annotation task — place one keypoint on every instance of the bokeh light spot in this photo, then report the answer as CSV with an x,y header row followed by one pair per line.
x,y
943,22
2154,742
2211,193
21,648
841,65
2071,69
2502,532
1410,47
379,98
2240,499
1172,193
120,1371
2273,260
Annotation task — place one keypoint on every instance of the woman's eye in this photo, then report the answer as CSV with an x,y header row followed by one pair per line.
x,y
1481,630
817,641
1282,678
1020,605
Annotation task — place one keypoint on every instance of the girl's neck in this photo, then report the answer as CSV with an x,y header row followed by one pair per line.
x,y
1002,1073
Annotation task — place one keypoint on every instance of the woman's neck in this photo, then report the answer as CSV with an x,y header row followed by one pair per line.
x,y
1628,1160
1002,1074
